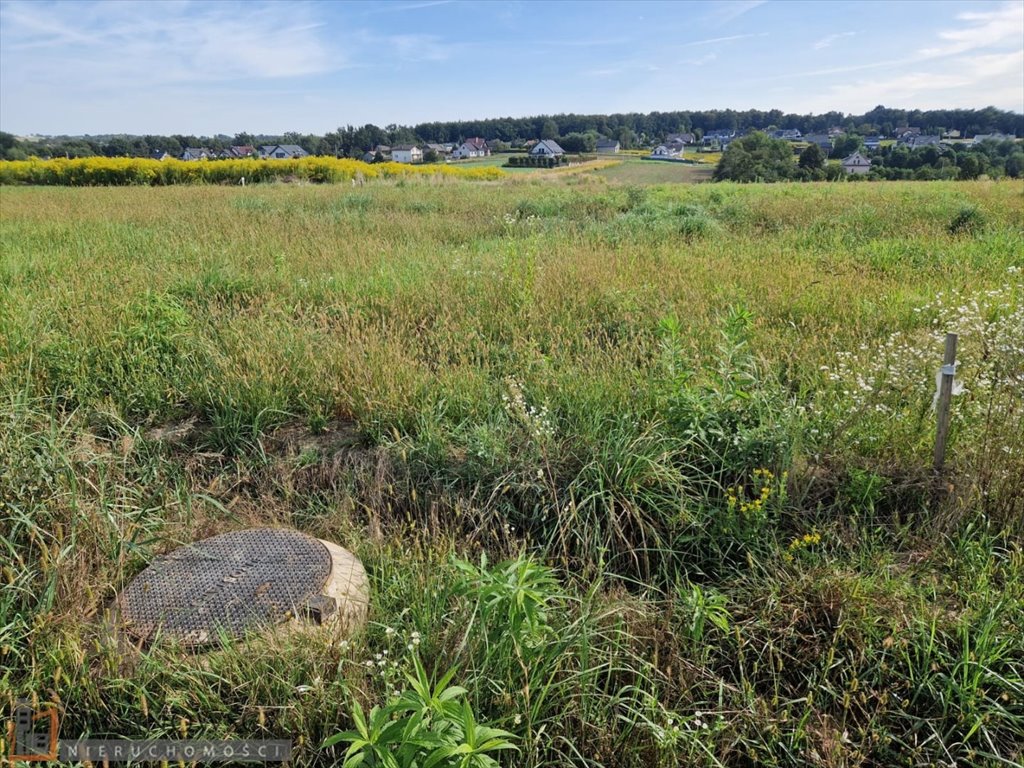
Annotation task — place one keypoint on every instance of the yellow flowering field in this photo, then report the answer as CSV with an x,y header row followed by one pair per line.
x,y
126,171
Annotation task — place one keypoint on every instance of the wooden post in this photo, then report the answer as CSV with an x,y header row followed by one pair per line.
x,y
945,395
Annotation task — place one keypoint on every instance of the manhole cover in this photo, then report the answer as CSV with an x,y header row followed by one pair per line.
x,y
229,583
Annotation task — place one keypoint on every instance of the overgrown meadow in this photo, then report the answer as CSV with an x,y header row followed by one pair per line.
x,y
646,469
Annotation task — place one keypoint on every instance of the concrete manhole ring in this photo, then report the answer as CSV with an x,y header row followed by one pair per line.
x,y
235,583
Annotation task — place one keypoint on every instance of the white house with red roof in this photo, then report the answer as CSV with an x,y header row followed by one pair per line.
x,y
475,147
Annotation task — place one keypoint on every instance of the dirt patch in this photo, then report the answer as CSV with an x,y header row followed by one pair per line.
x,y
298,439
176,433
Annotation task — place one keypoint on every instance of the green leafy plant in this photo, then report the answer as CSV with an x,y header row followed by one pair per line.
x,y
512,598
703,606
429,725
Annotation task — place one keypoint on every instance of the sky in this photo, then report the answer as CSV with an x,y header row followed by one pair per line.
x,y
204,68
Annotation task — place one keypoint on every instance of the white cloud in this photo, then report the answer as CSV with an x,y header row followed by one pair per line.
x,y
990,28
702,60
725,11
827,41
968,81
115,45
726,39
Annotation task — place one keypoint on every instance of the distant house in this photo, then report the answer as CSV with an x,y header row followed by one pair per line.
x,y
243,150
368,157
992,137
475,147
834,131
282,152
917,140
546,148
821,139
607,146
788,134
383,150
905,131
406,153
872,142
159,154
196,153
856,163
681,139
664,152
717,139
442,150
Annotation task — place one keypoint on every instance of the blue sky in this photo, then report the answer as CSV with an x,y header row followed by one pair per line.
x,y
270,67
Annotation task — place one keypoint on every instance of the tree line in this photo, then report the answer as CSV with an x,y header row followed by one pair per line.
x,y
759,158
631,129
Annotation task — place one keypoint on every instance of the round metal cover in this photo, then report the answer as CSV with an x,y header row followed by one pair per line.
x,y
229,583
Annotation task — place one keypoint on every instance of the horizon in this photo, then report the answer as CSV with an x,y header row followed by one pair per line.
x,y
269,68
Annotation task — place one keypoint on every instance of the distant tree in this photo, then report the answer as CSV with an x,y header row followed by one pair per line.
x,y
578,142
971,165
846,145
756,157
9,149
834,172
549,130
812,158
431,156
1015,165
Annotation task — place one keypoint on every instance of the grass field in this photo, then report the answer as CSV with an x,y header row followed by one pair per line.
x,y
633,171
648,467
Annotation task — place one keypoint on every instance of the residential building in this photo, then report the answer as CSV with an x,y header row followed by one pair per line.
x,y
282,151
546,148
607,146
856,163
992,137
681,139
821,139
406,153
474,147
917,140
196,153
664,152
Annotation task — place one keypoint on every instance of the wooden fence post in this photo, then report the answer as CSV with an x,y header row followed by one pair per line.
x,y
945,395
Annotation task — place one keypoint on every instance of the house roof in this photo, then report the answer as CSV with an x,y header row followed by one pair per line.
x,y
856,159
607,143
476,143
404,147
550,145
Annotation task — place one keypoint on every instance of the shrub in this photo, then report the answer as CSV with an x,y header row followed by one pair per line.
x,y
968,221
430,724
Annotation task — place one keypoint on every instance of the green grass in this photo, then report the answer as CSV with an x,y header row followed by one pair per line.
x,y
493,161
636,171
647,466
